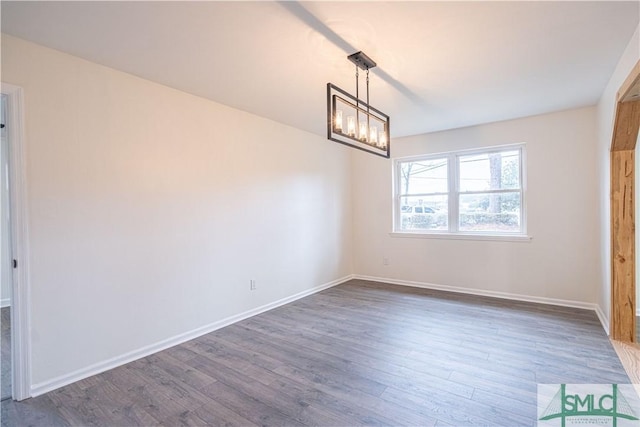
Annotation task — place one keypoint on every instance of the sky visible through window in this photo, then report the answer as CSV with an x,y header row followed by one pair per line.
x,y
430,176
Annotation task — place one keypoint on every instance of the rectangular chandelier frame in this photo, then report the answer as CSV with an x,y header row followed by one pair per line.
x,y
367,128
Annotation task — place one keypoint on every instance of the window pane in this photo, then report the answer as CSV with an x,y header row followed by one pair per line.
x,y
426,176
424,213
490,171
490,212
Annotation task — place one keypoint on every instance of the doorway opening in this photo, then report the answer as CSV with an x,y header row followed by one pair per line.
x,y
5,258
15,355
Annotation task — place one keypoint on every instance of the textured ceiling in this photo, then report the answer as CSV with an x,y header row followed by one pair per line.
x,y
441,65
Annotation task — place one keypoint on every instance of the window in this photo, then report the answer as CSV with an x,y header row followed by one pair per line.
x,y
465,192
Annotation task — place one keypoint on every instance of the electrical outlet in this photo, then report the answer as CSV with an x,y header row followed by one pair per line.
x,y
252,284
385,261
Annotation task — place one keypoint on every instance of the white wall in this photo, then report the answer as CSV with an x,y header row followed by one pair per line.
x,y
606,113
151,209
561,261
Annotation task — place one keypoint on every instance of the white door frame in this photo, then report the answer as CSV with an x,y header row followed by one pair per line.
x,y
21,292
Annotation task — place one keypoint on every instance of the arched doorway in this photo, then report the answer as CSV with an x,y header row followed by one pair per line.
x,y
623,268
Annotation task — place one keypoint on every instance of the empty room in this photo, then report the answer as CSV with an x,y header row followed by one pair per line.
x,y
319,213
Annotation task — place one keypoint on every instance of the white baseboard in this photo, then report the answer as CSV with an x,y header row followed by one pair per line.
x,y
5,302
494,294
481,292
603,319
46,386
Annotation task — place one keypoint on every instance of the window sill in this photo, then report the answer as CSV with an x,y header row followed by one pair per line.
x,y
463,236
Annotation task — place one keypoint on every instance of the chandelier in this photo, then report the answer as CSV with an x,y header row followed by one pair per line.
x,y
354,122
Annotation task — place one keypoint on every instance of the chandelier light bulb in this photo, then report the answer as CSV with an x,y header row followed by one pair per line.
x,y
373,134
338,121
363,131
351,126
383,139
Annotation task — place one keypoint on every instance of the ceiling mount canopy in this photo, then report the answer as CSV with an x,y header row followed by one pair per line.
x,y
362,60
366,128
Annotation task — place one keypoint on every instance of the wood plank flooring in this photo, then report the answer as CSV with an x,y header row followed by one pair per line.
x,y
5,353
360,353
629,355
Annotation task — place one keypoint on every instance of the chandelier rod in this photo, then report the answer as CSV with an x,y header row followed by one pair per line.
x,y
357,88
368,112
367,90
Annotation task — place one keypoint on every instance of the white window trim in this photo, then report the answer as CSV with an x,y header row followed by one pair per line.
x,y
462,236
453,176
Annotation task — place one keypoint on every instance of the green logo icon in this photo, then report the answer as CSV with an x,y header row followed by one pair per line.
x,y
589,405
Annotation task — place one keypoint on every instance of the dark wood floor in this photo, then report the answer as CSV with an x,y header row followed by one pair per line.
x,y
5,353
359,353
